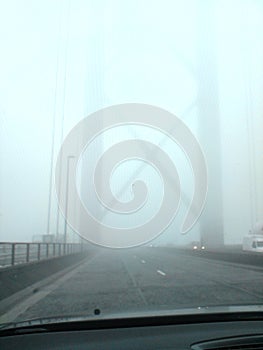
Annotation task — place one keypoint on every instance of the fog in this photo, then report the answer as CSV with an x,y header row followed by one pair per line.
x,y
200,60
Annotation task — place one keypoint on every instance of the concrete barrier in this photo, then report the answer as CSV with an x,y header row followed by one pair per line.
x,y
16,278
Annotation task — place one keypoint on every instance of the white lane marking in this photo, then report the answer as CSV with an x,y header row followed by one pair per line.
x,y
135,282
143,261
161,272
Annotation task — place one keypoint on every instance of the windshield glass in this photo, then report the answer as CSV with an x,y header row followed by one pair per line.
x,y
131,171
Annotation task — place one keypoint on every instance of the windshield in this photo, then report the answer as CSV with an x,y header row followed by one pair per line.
x,y
131,171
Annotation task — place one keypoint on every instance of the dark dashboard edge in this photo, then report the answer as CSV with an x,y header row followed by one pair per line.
x,y
118,323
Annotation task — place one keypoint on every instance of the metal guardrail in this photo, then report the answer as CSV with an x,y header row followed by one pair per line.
x,y
21,253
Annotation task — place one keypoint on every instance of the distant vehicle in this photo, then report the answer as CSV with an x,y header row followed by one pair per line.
x,y
45,238
196,245
49,238
253,242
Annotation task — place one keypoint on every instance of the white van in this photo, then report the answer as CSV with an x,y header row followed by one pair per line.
x,y
253,243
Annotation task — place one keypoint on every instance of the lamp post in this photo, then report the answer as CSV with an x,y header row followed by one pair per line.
x,y
67,190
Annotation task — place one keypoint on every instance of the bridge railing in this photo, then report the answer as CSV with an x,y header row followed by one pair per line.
x,y
13,253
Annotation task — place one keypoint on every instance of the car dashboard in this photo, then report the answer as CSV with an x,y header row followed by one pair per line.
x,y
224,332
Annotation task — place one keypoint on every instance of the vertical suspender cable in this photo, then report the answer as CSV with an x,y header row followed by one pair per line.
x,y
53,136
63,109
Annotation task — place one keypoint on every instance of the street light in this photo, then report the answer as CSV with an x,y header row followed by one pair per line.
x,y
67,189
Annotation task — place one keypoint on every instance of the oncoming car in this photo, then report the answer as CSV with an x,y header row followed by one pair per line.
x,y
197,246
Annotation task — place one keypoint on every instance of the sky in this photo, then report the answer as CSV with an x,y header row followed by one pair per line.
x,y
63,60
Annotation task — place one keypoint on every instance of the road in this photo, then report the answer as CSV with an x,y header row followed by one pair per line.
x,y
145,279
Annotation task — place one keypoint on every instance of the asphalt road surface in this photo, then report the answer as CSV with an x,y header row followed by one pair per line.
x,y
117,281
